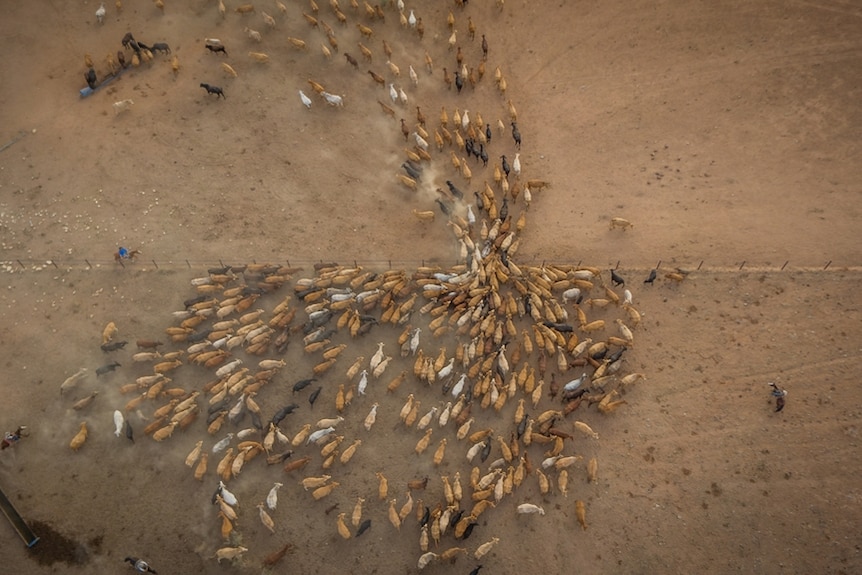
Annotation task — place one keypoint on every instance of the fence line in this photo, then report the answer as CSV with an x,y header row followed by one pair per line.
x,y
21,265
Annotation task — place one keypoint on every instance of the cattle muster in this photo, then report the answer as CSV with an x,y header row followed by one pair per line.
x,y
272,387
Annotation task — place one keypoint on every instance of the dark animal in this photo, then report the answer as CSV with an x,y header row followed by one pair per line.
x,y
351,60
651,278
468,531
283,412
144,46
459,81
560,327
322,319
217,407
486,450
504,209
319,334
476,570
468,146
127,427
302,384
90,77
484,48
134,46
455,191
483,154
480,203
411,171
616,355
113,346
366,323
516,135
199,335
617,279
506,167
213,90
377,78
456,517
107,368
363,527
121,58
443,207
572,395
215,49
281,457
488,133
161,47
522,425
128,39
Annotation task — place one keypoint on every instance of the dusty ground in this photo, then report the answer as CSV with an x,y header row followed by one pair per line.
x,y
727,133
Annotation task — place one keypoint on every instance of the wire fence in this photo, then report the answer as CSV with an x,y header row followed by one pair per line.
x,y
21,265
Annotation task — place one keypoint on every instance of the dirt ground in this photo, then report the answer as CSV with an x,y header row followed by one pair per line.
x,y
728,133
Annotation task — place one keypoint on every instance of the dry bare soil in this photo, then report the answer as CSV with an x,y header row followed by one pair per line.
x,y
728,133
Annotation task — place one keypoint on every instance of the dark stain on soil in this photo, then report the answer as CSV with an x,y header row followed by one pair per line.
x,y
53,547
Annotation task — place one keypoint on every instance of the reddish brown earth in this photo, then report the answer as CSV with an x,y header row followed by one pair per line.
x,y
727,133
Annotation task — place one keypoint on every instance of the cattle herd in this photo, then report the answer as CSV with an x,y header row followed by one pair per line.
x,y
490,368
